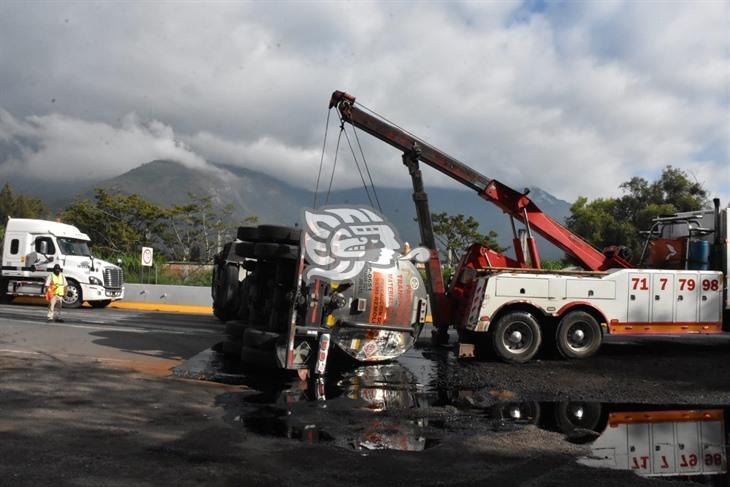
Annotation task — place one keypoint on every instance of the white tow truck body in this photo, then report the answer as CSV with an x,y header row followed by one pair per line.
x,y
32,247
629,301
625,301
662,443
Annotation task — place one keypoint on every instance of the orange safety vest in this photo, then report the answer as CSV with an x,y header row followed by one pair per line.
x,y
58,285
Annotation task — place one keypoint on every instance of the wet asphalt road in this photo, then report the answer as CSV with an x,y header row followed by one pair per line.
x,y
133,339
92,401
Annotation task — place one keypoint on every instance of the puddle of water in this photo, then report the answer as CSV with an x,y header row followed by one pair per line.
x,y
400,406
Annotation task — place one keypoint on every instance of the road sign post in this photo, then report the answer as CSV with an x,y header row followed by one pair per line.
x,y
147,260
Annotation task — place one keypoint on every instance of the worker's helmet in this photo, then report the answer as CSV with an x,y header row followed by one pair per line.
x,y
56,268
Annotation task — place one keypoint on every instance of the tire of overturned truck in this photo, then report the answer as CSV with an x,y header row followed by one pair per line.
x,y
224,296
235,330
245,249
260,339
279,234
578,335
516,337
242,313
276,251
232,348
248,234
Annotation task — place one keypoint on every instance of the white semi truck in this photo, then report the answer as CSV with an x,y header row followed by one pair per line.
x,y
32,247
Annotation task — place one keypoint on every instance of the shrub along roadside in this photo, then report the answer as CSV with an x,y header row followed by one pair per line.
x,y
162,271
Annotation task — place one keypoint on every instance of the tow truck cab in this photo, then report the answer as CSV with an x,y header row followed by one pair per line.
x,y
32,247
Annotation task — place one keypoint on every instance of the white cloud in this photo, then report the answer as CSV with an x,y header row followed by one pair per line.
x,y
58,148
575,98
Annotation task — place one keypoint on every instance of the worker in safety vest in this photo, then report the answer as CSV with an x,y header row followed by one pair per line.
x,y
55,290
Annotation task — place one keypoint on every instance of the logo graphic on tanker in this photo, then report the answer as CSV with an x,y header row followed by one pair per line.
x,y
340,241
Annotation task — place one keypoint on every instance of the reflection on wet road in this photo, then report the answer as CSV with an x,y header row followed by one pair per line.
x,y
401,406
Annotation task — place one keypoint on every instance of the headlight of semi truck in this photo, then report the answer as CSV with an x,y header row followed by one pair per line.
x,y
95,280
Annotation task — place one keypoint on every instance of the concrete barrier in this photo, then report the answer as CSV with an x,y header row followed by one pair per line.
x,y
164,294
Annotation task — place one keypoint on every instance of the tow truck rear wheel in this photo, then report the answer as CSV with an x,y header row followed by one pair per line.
x,y
516,337
578,415
73,297
518,412
578,335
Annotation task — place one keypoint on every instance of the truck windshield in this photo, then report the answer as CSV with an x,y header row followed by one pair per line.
x,y
72,246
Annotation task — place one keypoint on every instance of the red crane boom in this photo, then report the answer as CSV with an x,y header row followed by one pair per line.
x,y
512,202
517,205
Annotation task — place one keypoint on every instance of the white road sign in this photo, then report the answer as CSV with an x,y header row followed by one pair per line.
x,y
147,253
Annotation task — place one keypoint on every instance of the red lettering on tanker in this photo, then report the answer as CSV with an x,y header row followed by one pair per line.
x,y
378,300
390,300
405,294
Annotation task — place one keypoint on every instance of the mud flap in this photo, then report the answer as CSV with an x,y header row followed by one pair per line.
x,y
319,389
324,347
466,350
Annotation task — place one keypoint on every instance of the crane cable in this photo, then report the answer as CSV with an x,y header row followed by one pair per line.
x,y
334,166
365,162
362,178
321,159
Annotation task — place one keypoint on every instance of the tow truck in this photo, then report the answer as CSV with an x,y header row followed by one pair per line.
x,y
512,305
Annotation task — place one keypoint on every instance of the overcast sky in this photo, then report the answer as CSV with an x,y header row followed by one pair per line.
x,y
574,97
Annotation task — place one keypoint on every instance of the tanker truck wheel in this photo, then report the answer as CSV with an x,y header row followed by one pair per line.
x,y
578,335
248,234
276,251
232,348
226,287
278,234
516,337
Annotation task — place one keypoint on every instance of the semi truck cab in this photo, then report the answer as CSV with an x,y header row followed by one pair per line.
x,y
32,247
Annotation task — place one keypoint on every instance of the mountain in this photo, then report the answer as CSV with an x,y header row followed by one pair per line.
x,y
276,202
251,193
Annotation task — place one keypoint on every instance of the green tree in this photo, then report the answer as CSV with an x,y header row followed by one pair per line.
x,y
198,229
456,233
120,224
117,223
18,206
617,221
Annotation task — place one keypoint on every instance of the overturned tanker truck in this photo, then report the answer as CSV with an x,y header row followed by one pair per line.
x,y
290,295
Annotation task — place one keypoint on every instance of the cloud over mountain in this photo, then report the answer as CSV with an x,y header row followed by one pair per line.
x,y
574,97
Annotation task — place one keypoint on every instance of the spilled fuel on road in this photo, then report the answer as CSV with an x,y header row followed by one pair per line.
x,y
408,406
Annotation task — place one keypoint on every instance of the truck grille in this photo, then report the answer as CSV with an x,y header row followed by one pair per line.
x,y
112,277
